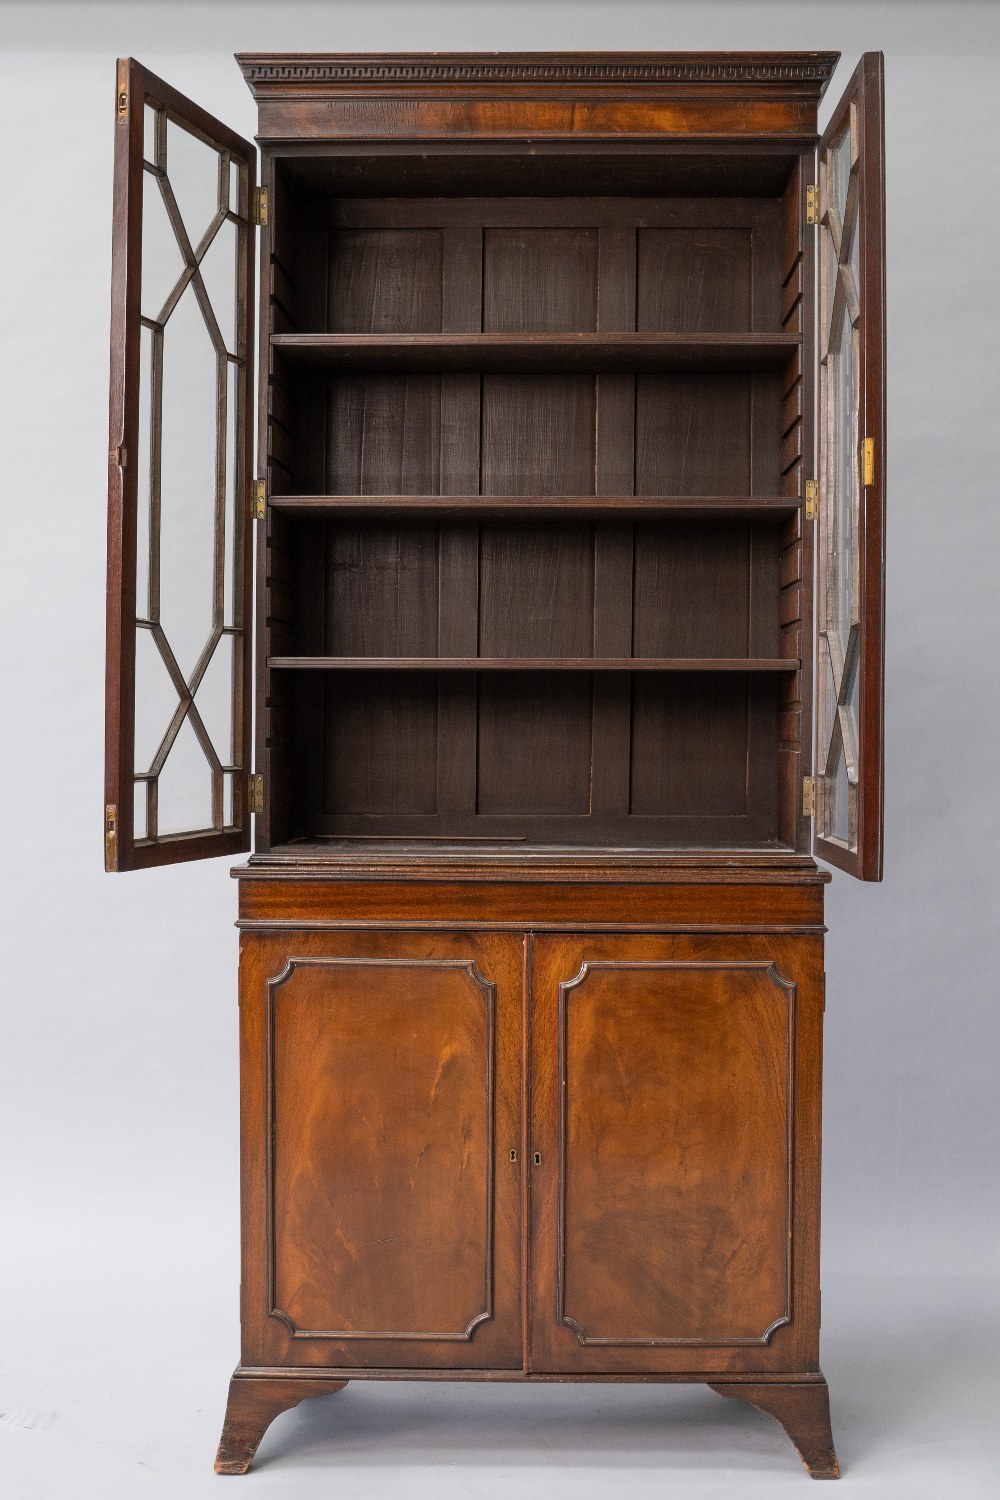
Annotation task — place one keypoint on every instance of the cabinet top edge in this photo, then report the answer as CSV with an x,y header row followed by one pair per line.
x,y
797,72
584,869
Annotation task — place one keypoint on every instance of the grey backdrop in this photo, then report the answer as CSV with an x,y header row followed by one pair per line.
x,y
118,1089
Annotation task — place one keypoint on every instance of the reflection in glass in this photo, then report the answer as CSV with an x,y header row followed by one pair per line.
x,y
828,699
853,257
840,793
840,494
830,273
841,160
854,705
845,467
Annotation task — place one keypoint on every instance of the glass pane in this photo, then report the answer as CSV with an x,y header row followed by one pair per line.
x,y
214,699
139,811
156,700
187,483
829,280
149,121
853,257
842,388
162,262
852,709
232,565
184,789
142,463
193,170
839,792
218,270
234,187
841,161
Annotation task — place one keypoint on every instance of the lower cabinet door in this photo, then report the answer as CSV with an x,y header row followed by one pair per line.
x,y
381,1102
675,1096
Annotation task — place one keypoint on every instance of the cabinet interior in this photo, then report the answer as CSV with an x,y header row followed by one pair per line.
x,y
534,560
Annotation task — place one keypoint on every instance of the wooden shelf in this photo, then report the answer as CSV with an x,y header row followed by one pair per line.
x,y
533,663
724,507
541,351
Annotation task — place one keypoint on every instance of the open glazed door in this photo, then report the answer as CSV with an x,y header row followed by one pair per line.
x,y
849,669
177,731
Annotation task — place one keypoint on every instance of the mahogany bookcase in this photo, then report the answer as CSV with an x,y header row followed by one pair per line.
x,y
566,660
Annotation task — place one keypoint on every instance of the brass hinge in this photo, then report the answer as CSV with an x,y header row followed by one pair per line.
x,y
812,203
122,104
110,837
808,796
812,499
258,499
256,792
868,461
260,206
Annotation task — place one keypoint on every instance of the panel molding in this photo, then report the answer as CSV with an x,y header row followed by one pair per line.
x,y
787,989
487,991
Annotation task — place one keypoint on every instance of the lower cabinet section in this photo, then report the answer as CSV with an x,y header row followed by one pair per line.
x,y
557,1154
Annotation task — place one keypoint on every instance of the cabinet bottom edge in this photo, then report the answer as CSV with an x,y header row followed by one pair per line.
x,y
676,1377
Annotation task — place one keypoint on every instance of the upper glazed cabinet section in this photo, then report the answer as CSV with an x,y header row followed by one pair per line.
x,y
522,316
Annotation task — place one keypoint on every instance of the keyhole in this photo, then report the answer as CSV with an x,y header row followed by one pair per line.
x,y
513,1154
537,1158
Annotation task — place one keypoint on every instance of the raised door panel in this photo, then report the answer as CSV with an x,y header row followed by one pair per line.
x,y
675,1096
382,1102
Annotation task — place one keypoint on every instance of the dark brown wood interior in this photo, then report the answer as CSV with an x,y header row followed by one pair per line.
x,y
534,560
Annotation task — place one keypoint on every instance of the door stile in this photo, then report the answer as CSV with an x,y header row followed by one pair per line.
x,y
126,266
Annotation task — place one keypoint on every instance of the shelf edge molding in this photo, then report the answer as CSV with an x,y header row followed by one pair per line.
x,y
776,507
533,663
550,351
